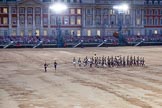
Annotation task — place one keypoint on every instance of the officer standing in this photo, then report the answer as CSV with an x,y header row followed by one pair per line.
x,y
55,64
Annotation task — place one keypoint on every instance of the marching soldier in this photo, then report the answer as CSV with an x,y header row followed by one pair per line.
x,y
74,61
45,67
79,62
108,61
134,61
124,61
128,61
143,61
137,61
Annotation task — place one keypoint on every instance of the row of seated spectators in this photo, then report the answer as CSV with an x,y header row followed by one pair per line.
x,y
90,39
27,39
75,39
153,38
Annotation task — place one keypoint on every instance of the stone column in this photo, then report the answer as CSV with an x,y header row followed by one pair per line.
x,y
134,21
10,23
41,18
26,25
34,28
93,23
49,29
18,22
84,16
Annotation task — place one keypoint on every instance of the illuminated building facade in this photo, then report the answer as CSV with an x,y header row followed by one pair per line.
x,y
82,18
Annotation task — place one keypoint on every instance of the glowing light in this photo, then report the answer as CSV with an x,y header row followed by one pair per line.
x,y
122,7
58,7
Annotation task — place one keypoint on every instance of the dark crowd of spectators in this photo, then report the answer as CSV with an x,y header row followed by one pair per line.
x,y
22,40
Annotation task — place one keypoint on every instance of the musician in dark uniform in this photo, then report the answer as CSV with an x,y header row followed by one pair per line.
x,y
55,64
45,67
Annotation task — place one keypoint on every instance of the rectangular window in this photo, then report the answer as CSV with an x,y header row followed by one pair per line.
x,y
72,32
37,10
127,20
98,20
98,11
0,20
5,32
22,10
66,20
66,32
45,10
78,33
110,11
144,21
78,20
45,21
138,22
128,12
37,32
98,33
5,10
46,0
156,12
150,22
30,20
156,2
144,12
45,33
88,32
30,10
13,10
150,32
72,11
5,20
105,21
79,11
14,33
156,22
53,20
72,20
161,32
150,11
22,33
89,20
161,11
105,11
14,20
150,2
161,21
37,20
29,32
88,11
138,11
22,19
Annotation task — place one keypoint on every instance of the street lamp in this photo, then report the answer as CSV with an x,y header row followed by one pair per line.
x,y
121,9
58,8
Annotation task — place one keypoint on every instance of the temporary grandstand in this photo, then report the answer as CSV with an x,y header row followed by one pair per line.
x,y
75,41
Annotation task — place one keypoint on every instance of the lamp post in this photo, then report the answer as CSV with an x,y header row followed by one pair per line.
x,y
58,8
121,9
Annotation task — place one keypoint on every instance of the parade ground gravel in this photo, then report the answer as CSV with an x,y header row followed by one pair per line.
x,y
24,84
